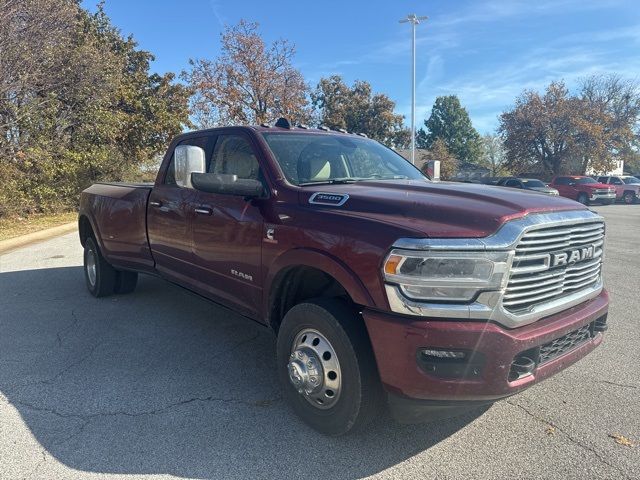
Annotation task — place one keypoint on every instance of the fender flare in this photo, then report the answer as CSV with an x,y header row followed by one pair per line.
x,y
96,232
328,264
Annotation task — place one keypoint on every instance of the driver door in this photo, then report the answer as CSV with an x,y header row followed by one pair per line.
x,y
228,231
169,221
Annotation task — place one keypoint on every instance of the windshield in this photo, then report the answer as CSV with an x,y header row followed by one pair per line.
x,y
533,183
582,181
308,159
631,180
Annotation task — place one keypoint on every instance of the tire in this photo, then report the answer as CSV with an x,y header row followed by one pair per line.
x,y
583,198
125,282
628,198
99,275
357,392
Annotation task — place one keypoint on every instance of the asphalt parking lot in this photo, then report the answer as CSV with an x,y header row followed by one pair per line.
x,y
161,383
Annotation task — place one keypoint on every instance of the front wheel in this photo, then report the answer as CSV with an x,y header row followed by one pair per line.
x,y
326,366
583,199
628,198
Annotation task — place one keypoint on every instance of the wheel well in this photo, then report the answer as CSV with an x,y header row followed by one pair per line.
x,y
84,229
297,284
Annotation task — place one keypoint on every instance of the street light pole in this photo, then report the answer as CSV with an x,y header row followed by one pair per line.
x,y
414,20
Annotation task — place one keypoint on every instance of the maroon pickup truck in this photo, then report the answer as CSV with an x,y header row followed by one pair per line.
x,y
383,288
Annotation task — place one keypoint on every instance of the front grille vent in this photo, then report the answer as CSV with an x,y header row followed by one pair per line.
x,y
562,345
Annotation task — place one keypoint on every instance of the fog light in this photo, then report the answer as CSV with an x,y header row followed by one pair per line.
x,y
456,354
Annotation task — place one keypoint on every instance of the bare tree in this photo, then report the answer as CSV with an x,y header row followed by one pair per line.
x,y
614,104
493,155
32,36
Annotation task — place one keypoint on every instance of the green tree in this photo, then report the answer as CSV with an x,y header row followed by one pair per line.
x,y
358,109
450,122
82,105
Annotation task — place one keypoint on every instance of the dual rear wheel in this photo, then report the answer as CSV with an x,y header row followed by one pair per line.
x,y
101,278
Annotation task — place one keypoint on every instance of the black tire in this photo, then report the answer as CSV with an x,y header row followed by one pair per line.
x,y
628,198
583,198
125,282
103,281
361,395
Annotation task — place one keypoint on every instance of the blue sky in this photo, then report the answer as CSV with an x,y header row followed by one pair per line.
x,y
484,51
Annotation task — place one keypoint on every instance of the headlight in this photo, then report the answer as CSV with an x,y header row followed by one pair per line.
x,y
446,276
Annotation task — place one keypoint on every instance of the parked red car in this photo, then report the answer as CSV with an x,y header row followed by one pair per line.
x,y
584,189
381,286
627,187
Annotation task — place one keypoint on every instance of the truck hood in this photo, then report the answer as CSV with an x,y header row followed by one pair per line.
x,y
595,186
433,209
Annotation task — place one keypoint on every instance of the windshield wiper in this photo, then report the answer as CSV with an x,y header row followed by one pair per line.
x,y
332,181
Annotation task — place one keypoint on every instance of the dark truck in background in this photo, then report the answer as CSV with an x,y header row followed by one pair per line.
x,y
383,288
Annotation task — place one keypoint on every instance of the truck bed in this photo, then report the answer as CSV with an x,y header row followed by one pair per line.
x,y
119,210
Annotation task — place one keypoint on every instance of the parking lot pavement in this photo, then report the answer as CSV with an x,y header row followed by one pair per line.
x,y
161,383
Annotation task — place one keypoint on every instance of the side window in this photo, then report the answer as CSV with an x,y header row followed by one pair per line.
x,y
202,142
615,181
513,183
603,179
562,181
233,155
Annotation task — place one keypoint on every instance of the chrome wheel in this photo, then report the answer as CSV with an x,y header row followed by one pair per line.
x,y
91,267
314,369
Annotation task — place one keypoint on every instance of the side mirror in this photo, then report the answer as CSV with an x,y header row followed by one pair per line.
x,y
227,185
187,160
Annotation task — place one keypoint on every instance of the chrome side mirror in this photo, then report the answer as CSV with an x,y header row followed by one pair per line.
x,y
188,159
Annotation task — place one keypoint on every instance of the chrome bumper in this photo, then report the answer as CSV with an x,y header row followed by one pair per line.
x,y
603,196
487,306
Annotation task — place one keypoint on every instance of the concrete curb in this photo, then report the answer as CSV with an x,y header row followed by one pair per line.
x,y
40,235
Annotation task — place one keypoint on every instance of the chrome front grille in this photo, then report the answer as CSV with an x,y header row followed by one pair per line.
x,y
553,262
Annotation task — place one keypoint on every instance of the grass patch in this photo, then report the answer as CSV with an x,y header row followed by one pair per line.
x,y
16,226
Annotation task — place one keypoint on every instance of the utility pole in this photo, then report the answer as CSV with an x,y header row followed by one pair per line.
x,y
414,20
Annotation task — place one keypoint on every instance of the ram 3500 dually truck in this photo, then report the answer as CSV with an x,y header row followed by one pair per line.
x,y
383,287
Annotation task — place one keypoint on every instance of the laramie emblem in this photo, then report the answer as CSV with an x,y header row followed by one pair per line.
x,y
572,256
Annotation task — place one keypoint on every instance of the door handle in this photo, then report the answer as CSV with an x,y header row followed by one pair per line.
x,y
204,210
155,204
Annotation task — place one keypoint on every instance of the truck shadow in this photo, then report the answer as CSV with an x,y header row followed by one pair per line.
x,y
163,382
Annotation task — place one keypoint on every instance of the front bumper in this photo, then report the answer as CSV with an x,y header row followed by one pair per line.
x,y
602,196
397,339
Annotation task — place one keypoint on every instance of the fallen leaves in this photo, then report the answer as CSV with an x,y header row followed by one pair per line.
x,y
621,440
